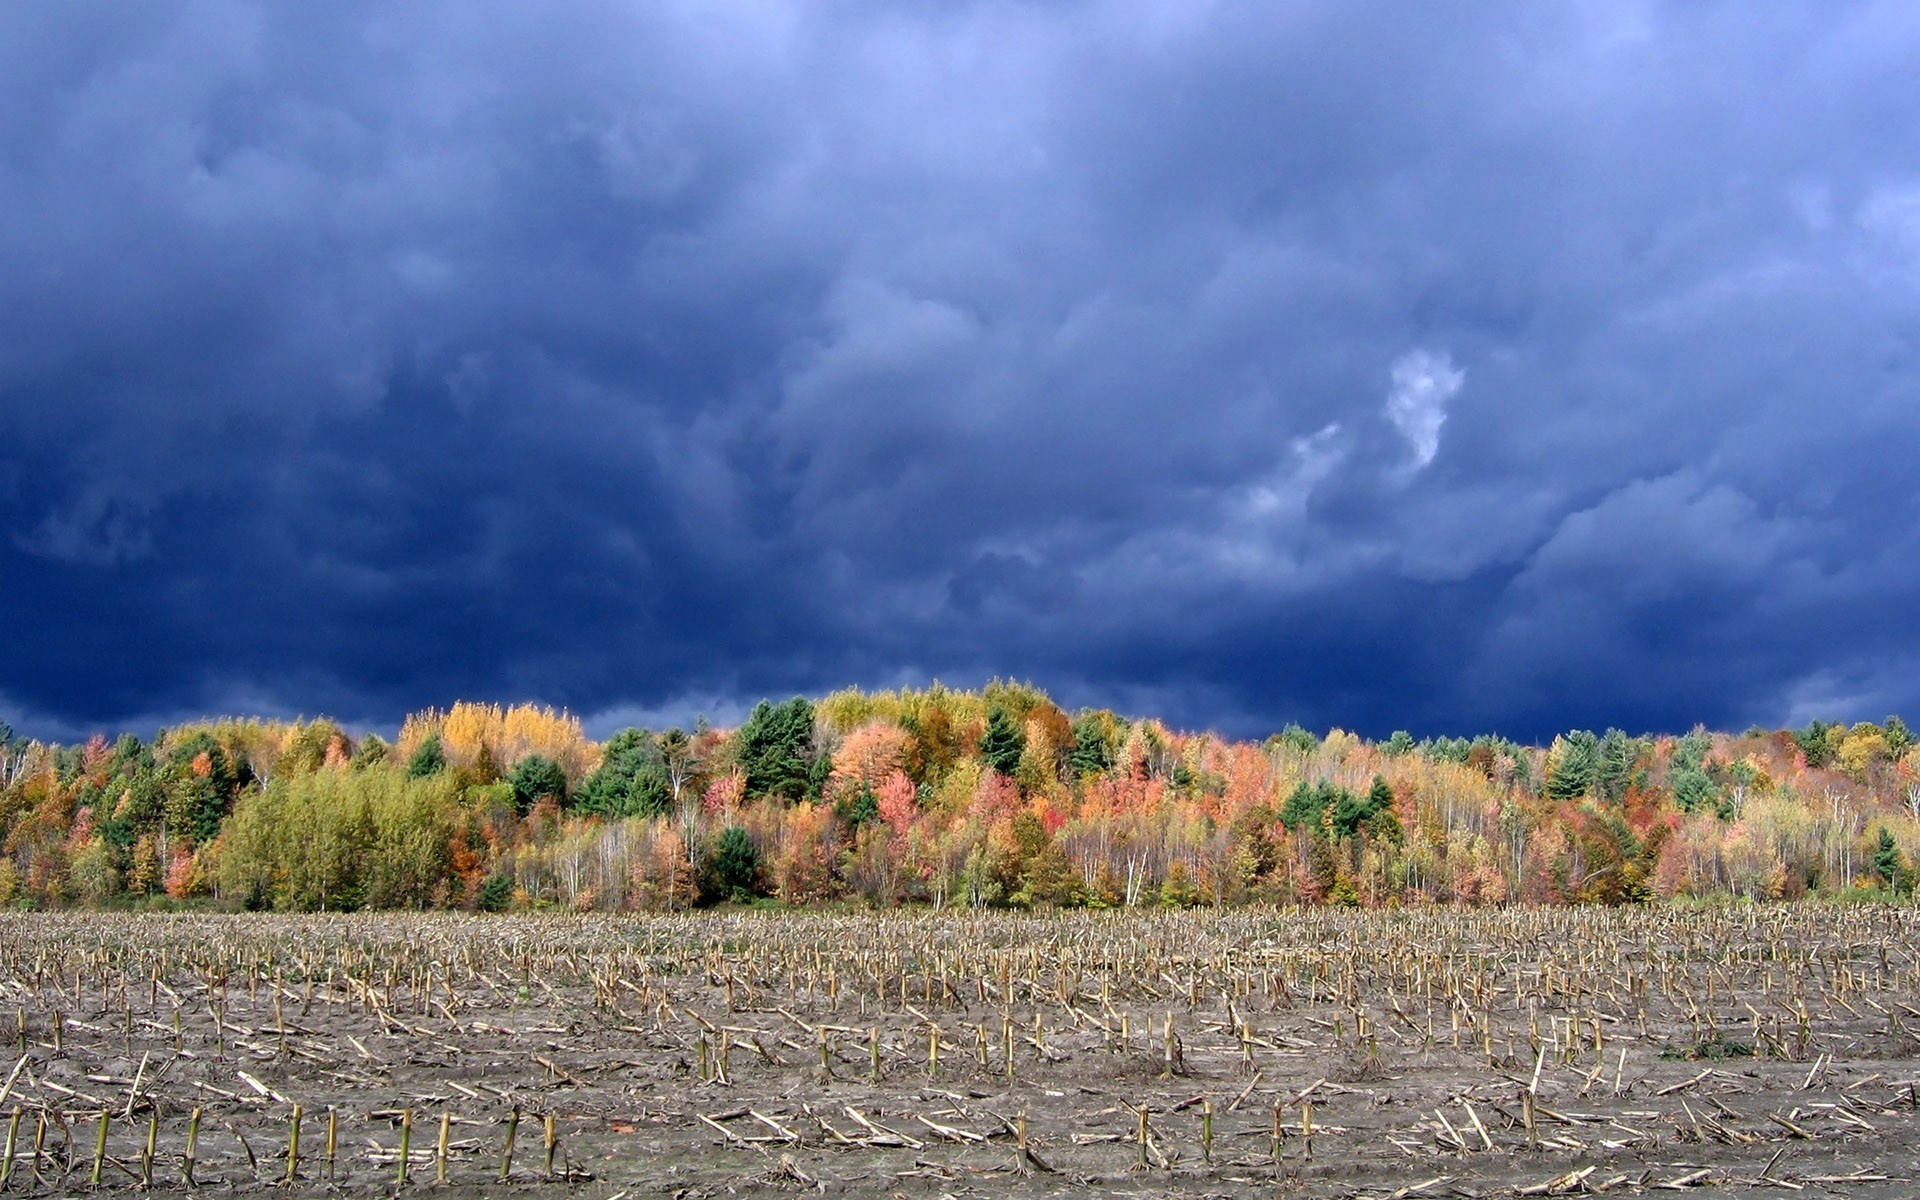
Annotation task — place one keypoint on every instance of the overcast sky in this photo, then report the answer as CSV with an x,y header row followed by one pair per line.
x,y
1449,367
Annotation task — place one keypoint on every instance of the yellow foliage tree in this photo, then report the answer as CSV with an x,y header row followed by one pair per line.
x,y
471,734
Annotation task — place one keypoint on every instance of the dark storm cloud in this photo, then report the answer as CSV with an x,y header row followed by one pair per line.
x,y
1454,367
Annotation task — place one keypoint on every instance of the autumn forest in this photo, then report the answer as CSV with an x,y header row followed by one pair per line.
x,y
945,798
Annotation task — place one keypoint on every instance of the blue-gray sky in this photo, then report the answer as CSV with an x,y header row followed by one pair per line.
x,y
1452,367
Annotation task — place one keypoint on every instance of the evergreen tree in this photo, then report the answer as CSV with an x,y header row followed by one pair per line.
x,y
371,751
1816,743
1450,749
1311,806
817,776
200,788
495,894
1572,763
144,802
631,780
1615,772
1694,788
1303,807
1348,811
1381,821
775,748
194,807
860,808
1002,743
1296,739
650,794
1889,864
1899,737
429,759
130,755
733,866
1092,753
536,777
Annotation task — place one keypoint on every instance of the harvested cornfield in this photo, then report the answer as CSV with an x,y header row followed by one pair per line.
x,y
1322,1052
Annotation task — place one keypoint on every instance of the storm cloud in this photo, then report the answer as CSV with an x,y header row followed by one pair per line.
x,y
1442,367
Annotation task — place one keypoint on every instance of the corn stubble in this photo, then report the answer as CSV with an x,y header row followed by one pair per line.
x,y
1412,1053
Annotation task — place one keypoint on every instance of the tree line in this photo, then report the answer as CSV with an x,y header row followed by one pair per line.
x,y
944,797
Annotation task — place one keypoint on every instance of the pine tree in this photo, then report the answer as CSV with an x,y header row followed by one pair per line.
x,y
1816,743
535,778
1092,754
1572,763
733,867
1305,806
429,759
775,748
1002,743
1381,820
1614,773
1899,737
1888,863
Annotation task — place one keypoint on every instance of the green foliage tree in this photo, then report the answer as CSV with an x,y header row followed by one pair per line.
x,y
340,840
201,785
1816,743
979,882
1617,771
536,777
306,749
92,874
733,866
1092,753
1251,831
495,894
408,864
1306,806
1325,805
1002,743
1296,739
130,756
143,803
631,780
302,844
681,760
429,759
1899,737
1449,749
1380,820
1694,788
775,748
1889,865
371,751
1573,761
859,808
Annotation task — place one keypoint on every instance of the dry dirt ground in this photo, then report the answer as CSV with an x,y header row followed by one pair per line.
x,y
1521,1052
